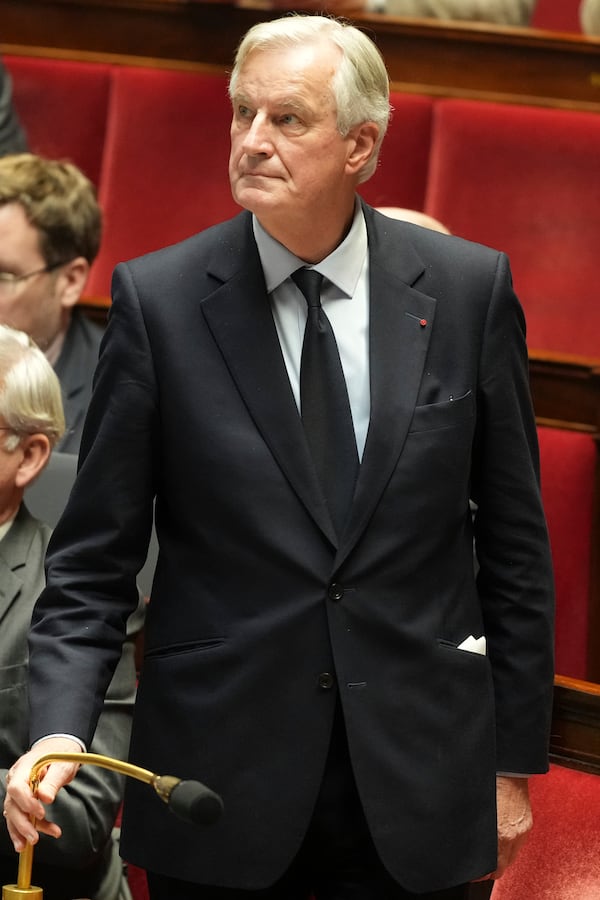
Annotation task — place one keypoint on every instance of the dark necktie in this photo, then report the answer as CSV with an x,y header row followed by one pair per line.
x,y
324,404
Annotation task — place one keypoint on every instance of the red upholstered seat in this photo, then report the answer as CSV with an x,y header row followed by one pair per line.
x,y
401,176
63,107
568,461
165,173
527,180
556,15
137,883
561,859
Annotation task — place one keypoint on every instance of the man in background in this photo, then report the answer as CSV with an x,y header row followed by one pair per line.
x,y
85,862
50,229
498,12
590,16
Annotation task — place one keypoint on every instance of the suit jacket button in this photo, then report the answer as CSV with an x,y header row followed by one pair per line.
x,y
335,592
326,681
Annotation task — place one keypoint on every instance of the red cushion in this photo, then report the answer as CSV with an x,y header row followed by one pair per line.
x,y
138,885
568,465
165,171
556,15
63,107
401,176
561,859
527,181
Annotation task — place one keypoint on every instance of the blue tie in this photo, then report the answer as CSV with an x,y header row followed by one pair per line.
x,y
324,404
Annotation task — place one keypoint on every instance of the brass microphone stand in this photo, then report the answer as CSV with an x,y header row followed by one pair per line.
x,y
162,784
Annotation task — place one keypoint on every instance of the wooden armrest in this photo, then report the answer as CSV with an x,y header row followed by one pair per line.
x,y
575,736
566,390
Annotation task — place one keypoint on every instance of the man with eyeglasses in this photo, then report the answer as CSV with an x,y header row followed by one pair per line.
x,y
50,228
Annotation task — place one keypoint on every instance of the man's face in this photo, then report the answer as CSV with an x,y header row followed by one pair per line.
x,y
288,159
34,304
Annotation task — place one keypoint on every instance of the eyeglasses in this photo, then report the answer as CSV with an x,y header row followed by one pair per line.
x,y
9,281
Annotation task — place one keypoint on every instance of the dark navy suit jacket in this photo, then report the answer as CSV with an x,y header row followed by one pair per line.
x,y
258,615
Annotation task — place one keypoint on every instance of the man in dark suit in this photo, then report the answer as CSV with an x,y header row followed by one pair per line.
x,y
86,861
50,227
317,647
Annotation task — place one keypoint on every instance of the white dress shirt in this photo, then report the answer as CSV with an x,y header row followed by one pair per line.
x,y
345,299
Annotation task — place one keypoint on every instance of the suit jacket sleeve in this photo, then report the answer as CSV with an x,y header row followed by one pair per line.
x,y
87,808
515,581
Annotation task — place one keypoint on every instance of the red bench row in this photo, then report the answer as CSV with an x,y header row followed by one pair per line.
x,y
156,142
524,179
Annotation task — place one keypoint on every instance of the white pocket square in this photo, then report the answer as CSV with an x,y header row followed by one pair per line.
x,y
474,645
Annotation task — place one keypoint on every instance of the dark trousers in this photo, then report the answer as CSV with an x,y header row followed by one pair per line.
x,y
337,860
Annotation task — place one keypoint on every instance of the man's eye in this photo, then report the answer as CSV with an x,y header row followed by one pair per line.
x,y
289,119
244,112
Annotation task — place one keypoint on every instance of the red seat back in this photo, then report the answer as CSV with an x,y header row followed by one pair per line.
x,y
527,180
556,15
568,461
63,106
165,171
401,176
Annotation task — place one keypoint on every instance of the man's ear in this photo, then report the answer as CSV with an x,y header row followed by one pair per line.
x,y
36,453
71,281
364,137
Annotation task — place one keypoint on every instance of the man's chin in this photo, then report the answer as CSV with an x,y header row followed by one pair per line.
x,y
254,198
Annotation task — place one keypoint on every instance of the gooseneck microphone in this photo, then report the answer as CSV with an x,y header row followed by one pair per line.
x,y
191,801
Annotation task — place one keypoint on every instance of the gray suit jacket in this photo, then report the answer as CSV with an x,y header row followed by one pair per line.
x,y
75,369
84,862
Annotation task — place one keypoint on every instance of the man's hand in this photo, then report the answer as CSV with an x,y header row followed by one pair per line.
x,y
514,821
20,804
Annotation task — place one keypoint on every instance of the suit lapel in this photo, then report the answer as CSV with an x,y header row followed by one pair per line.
x,y
400,327
239,316
14,552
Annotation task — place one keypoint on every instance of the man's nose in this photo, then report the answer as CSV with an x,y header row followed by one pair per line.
x,y
257,140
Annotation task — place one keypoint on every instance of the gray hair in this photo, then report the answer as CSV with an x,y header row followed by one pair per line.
x,y
30,395
360,85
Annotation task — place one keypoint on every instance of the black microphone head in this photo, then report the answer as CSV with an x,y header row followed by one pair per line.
x,y
194,802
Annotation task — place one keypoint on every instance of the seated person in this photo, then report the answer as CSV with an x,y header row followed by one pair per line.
x,y
415,216
499,12
85,861
12,136
50,227
589,14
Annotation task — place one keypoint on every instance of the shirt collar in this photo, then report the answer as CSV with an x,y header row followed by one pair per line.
x,y
6,526
342,267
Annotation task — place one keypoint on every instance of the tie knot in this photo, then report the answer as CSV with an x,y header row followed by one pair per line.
x,y
309,283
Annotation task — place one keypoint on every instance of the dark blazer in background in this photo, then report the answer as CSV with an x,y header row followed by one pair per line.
x,y
258,614
75,369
